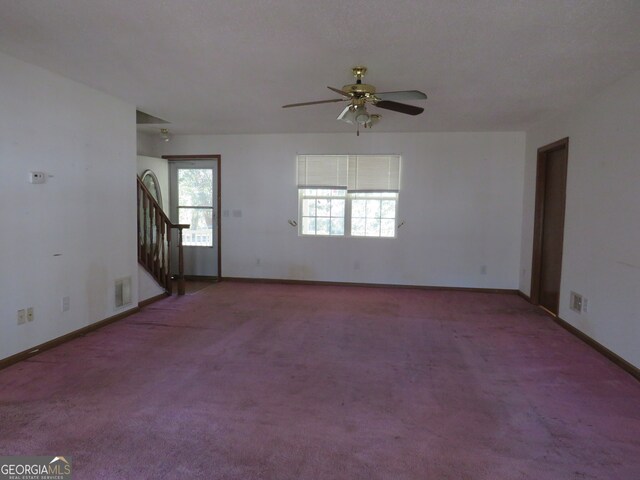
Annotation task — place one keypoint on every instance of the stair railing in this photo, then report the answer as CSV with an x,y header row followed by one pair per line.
x,y
154,241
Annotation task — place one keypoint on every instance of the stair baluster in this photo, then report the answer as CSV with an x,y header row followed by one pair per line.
x,y
154,240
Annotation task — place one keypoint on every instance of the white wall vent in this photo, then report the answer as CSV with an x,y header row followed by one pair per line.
x,y
123,291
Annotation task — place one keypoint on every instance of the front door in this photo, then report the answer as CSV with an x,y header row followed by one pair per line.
x,y
549,227
193,199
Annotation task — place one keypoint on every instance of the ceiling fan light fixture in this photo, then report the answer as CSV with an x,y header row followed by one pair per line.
x,y
362,116
164,134
348,115
373,119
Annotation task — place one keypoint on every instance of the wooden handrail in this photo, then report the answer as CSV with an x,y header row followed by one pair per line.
x,y
154,240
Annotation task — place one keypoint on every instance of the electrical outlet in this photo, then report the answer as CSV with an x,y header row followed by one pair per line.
x,y
585,304
30,314
22,316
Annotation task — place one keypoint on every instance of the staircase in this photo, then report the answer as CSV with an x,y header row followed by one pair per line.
x,y
154,241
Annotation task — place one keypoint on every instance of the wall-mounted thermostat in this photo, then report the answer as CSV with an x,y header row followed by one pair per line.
x,y
37,177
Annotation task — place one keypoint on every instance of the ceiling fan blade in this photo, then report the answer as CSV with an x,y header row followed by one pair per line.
x,y
399,107
339,92
402,95
334,100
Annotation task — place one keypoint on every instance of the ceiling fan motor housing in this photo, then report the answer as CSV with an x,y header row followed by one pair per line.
x,y
359,89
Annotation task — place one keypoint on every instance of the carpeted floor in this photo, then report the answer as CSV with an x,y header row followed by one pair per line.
x,y
266,381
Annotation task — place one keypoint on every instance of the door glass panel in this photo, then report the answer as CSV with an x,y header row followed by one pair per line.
x,y
195,206
195,187
201,231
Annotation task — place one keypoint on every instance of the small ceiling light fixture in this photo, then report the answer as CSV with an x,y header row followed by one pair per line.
x,y
362,116
164,134
359,116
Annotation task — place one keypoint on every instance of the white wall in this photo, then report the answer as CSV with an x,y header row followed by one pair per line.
x,y
147,144
602,225
76,234
147,285
461,200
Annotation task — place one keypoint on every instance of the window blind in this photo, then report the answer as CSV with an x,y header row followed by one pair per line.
x,y
357,173
323,171
374,173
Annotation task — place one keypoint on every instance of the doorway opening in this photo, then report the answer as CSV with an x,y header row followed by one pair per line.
x,y
551,186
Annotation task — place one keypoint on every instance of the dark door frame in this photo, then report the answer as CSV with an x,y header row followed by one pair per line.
x,y
218,158
536,262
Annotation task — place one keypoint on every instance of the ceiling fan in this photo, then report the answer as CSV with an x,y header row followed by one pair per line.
x,y
360,94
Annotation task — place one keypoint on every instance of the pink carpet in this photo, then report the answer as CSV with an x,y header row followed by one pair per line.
x,y
266,381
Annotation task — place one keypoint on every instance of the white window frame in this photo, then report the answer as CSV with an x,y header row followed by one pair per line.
x,y
302,196
379,196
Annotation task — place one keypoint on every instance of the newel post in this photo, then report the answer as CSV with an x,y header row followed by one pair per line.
x,y
181,288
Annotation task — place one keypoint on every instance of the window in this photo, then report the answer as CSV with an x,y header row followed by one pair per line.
x,y
322,211
150,181
348,195
373,214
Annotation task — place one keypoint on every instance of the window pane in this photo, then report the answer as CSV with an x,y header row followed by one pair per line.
x,y
322,192
309,207
308,226
387,228
337,208
372,227
357,227
200,232
323,207
374,195
358,208
337,226
388,209
323,226
373,208
195,187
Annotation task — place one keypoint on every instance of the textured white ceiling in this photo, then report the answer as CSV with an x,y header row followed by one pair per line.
x,y
214,66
